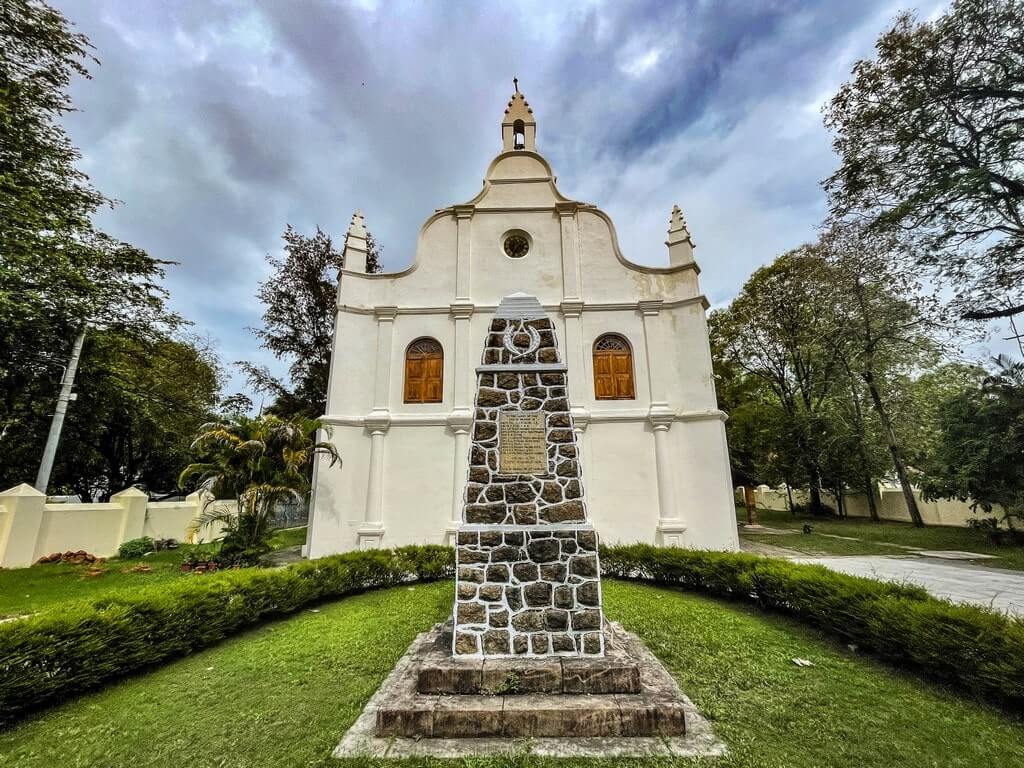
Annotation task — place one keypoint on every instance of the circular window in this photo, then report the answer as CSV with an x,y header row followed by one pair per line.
x,y
516,245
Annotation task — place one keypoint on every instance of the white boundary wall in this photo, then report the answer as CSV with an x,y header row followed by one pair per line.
x,y
30,528
889,502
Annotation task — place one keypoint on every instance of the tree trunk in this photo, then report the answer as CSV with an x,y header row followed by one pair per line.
x,y
750,502
894,450
789,497
869,488
815,491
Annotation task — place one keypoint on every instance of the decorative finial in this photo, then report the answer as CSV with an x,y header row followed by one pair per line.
x,y
358,226
677,230
515,82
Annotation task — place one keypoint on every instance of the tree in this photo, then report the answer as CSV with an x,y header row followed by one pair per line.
x,y
258,463
979,455
57,273
139,404
776,330
883,324
298,323
929,135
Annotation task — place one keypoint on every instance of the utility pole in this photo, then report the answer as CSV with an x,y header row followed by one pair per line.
x,y
57,423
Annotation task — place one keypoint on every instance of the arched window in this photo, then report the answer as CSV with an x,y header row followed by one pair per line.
x,y
424,370
613,368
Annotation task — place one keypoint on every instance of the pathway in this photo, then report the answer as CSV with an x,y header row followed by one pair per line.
x,y
995,588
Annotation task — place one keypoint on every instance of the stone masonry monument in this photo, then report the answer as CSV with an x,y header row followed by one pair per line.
x,y
528,653
527,566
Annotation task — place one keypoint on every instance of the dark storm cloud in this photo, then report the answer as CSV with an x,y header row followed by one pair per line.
x,y
217,123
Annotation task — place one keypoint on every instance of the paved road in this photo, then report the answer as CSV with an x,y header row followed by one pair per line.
x,y
995,588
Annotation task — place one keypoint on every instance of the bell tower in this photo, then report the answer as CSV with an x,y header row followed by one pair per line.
x,y
518,128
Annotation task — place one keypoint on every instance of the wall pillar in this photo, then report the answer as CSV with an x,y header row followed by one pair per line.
x,y
570,250
572,311
670,527
371,532
661,417
21,517
133,519
460,426
463,274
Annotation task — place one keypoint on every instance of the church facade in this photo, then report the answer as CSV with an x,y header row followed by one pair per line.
x,y
407,344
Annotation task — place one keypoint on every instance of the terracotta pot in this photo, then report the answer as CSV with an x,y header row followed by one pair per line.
x,y
185,567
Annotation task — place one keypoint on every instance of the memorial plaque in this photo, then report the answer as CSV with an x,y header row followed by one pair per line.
x,y
522,443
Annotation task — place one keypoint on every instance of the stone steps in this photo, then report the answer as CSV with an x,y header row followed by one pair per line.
x,y
520,716
627,693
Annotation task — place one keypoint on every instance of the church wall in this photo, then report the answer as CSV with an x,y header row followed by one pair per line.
x,y
619,476
355,340
340,494
495,275
418,494
703,491
688,359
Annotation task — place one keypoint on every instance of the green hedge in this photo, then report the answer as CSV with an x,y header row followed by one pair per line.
x,y
969,647
70,650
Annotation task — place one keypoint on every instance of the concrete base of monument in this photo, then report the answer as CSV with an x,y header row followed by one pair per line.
x,y
625,704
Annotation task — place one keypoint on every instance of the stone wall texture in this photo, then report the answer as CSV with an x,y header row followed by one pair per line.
x,y
528,574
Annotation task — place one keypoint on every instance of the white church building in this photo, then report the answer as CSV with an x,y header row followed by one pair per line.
x,y
400,405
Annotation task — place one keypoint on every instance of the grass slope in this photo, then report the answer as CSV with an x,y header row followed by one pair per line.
x,y
27,590
874,536
283,694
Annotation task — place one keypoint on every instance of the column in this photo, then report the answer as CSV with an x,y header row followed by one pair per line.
x,y
21,519
670,527
462,375
463,274
570,250
371,532
461,417
460,428
650,312
382,371
574,355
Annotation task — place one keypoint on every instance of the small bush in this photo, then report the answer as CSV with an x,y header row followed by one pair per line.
x,y
969,647
61,653
136,548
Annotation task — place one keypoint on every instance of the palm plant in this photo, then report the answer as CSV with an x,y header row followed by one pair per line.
x,y
258,462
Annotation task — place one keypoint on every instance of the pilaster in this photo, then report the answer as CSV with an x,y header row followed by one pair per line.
x,y
133,519
463,276
650,311
461,312
572,310
371,532
460,424
382,373
570,250
670,526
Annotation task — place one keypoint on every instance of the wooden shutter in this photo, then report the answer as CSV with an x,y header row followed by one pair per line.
x,y
424,372
613,369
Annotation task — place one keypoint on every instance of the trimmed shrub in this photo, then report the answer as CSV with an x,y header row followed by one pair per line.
x,y
72,649
969,647
136,548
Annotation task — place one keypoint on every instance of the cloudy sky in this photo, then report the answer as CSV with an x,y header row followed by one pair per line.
x,y
217,122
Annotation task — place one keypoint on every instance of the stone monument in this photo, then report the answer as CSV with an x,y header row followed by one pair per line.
x,y
527,565
527,653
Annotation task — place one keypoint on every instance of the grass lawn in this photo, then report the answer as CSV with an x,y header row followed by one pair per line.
x,y
283,694
872,535
26,590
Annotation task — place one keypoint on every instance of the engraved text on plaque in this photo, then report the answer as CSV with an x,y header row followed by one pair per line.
x,y
522,443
